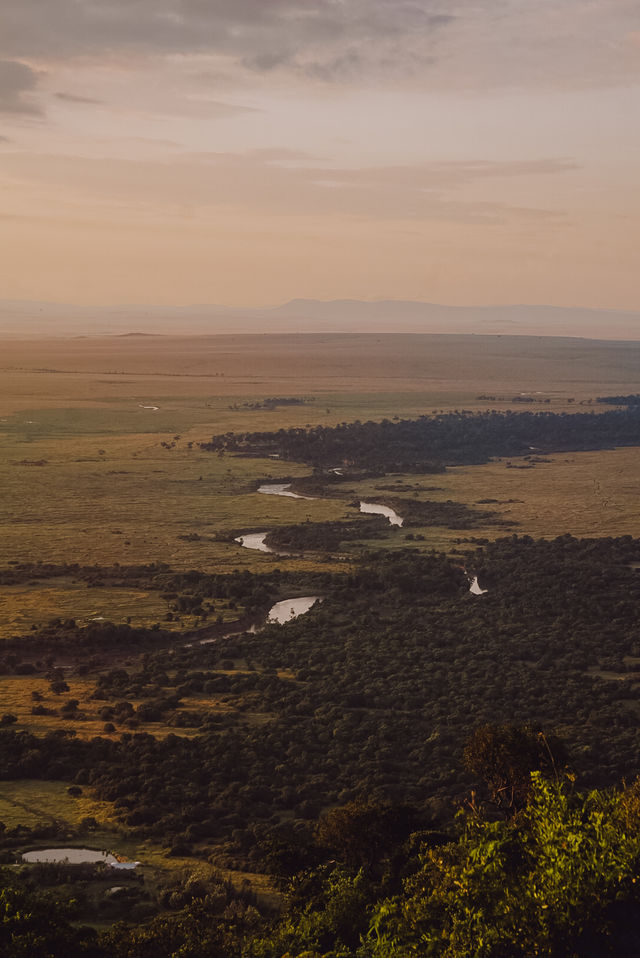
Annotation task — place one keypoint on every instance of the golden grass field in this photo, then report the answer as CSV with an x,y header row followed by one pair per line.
x,y
16,699
85,477
33,802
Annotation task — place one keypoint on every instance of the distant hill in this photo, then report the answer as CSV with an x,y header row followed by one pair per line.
x,y
21,318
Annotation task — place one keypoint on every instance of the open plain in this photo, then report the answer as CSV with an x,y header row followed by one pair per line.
x,y
100,460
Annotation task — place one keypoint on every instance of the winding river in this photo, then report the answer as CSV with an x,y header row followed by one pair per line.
x,y
284,611
255,540
289,609
280,489
374,508
475,587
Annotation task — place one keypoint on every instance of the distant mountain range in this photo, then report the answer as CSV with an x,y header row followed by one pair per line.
x,y
20,318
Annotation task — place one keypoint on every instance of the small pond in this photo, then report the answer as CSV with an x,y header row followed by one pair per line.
x,y
74,856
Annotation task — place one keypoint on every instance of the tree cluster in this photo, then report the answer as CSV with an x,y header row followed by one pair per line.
x,y
429,443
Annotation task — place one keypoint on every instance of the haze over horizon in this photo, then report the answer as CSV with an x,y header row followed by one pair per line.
x,y
250,153
20,319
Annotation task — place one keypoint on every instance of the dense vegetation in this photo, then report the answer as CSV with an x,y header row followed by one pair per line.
x,y
374,692
195,593
389,703
449,514
415,513
429,443
325,536
558,877
630,400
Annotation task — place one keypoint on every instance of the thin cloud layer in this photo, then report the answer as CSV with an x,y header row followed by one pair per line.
x,y
272,182
74,98
264,34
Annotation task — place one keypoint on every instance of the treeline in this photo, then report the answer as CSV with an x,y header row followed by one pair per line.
x,y
191,592
65,637
18,573
631,400
429,443
273,402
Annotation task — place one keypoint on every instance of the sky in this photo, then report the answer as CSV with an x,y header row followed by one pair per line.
x,y
247,152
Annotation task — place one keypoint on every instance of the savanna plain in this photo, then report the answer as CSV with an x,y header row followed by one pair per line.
x,y
150,707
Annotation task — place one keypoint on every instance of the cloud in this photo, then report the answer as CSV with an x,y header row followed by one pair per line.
x,y
17,82
215,109
435,44
326,39
467,44
226,26
73,98
271,182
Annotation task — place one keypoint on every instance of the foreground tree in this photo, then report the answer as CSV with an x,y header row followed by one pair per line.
x,y
562,878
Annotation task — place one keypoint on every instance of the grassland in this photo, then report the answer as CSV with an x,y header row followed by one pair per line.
x,y
90,476
586,494
32,803
17,700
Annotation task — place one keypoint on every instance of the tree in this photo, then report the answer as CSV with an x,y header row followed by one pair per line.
x,y
361,833
504,756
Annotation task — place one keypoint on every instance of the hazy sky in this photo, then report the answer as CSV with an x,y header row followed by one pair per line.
x,y
251,151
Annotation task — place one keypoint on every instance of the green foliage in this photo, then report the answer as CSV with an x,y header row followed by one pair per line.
x,y
197,931
34,924
331,922
560,879
325,536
